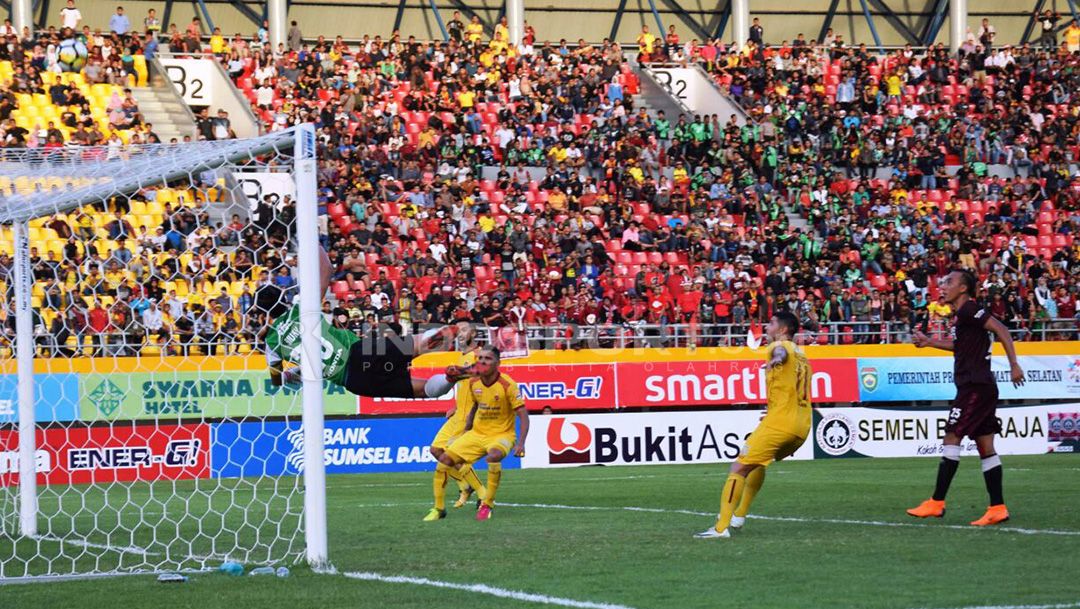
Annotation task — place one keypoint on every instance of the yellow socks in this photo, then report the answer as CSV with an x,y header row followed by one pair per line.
x,y
468,474
439,485
493,478
729,498
754,480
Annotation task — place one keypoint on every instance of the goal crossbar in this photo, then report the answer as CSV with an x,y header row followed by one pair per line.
x,y
98,173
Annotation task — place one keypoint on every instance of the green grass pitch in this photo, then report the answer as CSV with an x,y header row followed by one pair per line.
x,y
823,540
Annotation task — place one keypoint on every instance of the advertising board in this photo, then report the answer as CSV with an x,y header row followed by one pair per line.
x,y
193,395
641,438
574,386
901,379
85,455
351,446
884,432
56,397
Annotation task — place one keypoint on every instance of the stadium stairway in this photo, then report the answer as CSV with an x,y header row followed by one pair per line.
x,y
161,106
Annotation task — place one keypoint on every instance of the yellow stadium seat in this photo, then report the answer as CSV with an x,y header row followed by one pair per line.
x,y
35,302
140,69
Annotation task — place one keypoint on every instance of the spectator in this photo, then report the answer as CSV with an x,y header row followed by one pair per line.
x,y
119,22
70,16
294,37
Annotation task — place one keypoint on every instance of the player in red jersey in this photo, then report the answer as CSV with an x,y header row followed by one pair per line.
x,y
974,412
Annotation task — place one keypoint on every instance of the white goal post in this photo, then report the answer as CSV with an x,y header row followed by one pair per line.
x,y
67,523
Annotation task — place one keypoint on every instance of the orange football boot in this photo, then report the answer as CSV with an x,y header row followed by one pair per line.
x,y
995,514
930,508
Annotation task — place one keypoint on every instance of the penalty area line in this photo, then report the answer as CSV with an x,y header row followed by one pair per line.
x,y
516,595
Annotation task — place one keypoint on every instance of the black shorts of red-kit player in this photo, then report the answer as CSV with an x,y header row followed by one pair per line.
x,y
378,367
974,411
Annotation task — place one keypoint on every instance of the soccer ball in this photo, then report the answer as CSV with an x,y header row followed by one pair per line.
x,y
72,55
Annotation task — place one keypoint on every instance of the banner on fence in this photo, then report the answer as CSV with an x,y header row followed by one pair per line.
x,y
192,395
87,455
351,446
56,397
641,438
574,386
882,432
902,379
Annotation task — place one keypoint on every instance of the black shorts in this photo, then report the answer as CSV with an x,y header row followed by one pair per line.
x,y
379,367
974,412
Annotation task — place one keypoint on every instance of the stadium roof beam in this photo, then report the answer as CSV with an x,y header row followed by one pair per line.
x,y
892,19
1026,37
702,30
827,24
937,19
246,11
725,14
398,15
615,23
206,18
438,20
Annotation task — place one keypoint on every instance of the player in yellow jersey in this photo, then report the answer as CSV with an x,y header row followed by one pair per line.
x,y
494,404
466,478
781,432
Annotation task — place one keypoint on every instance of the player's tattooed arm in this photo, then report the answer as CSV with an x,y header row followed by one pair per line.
x,y
778,356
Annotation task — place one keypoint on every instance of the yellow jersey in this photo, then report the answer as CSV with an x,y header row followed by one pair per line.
x,y
495,405
463,403
788,387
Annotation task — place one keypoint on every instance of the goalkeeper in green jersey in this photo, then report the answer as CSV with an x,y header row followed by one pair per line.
x,y
372,366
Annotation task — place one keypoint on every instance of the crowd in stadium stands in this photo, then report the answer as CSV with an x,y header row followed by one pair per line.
x,y
858,182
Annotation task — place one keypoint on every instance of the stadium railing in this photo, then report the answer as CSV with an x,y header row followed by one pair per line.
x,y
138,341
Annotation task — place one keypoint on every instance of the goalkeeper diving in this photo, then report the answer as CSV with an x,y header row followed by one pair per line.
x,y
375,366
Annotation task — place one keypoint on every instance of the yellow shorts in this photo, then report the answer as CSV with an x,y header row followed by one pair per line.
x,y
470,446
766,445
449,432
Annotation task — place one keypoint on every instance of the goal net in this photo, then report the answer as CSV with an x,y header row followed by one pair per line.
x,y
135,284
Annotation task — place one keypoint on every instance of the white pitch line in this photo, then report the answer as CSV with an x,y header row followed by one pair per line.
x,y
874,523
98,546
537,482
1053,606
516,595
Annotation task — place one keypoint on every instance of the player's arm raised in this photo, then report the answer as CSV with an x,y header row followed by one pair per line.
x,y
778,356
1016,373
921,340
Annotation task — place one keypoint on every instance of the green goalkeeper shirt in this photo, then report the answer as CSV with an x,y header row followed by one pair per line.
x,y
283,343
